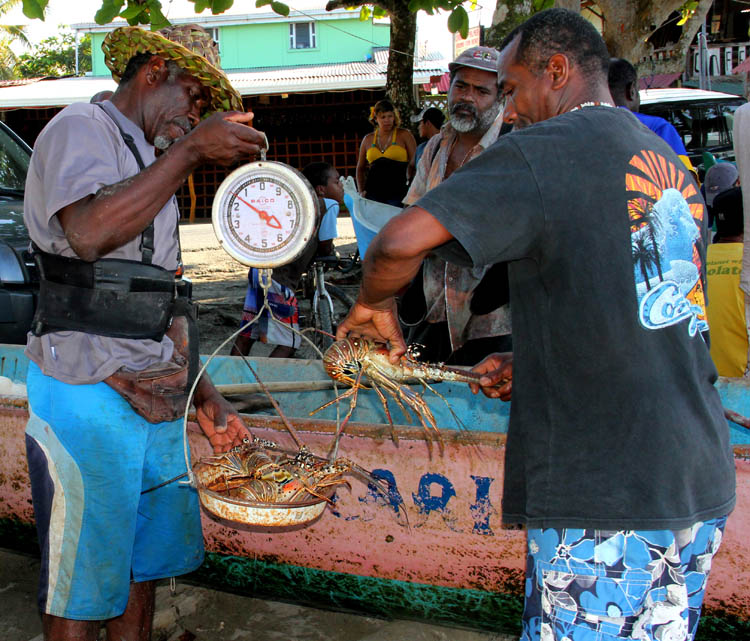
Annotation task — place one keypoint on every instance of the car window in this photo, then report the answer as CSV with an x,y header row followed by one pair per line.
x,y
702,125
14,163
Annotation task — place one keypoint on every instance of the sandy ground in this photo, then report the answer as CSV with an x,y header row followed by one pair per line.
x,y
192,613
220,282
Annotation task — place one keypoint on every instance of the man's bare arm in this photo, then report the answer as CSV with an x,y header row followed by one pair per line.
x,y
102,222
392,261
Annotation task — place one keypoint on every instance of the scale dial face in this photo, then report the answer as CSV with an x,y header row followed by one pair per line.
x,y
264,214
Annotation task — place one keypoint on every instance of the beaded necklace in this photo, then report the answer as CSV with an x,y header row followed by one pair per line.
x,y
593,103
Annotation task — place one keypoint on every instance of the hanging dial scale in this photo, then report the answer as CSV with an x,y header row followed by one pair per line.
x,y
264,213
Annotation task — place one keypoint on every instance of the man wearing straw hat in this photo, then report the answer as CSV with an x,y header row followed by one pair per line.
x,y
113,356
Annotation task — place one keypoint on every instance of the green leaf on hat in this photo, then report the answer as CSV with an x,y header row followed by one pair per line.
x,y
34,8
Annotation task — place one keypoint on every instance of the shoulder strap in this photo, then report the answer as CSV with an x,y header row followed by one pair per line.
x,y
375,138
395,133
147,236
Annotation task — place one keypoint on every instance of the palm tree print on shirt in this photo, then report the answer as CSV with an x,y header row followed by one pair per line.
x,y
666,213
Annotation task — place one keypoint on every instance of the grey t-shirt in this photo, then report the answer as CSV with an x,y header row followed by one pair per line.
x,y
77,153
615,423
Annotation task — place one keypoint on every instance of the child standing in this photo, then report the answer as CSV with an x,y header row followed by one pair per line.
x,y
281,297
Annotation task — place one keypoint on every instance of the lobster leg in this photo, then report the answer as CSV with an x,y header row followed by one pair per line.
x,y
398,402
459,422
384,401
414,402
346,394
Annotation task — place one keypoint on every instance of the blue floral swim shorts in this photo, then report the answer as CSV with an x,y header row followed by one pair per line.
x,y
596,585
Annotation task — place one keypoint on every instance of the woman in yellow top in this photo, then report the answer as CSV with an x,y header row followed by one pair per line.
x,y
384,156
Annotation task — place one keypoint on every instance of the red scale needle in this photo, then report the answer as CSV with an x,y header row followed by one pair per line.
x,y
271,220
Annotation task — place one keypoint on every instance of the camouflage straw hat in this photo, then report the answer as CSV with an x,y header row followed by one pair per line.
x,y
190,46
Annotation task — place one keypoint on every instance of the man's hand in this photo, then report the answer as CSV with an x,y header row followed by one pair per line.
x,y
379,324
496,368
225,138
220,423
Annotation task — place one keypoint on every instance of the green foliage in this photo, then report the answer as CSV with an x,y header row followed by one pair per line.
x,y
458,21
136,12
541,5
34,8
280,8
150,11
55,56
109,10
9,35
687,10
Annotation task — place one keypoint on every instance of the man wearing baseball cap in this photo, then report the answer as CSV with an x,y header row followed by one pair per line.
x,y
718,179
113,347
429,120
453,325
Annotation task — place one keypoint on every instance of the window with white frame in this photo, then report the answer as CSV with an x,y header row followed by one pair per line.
x,y
302,35
214,33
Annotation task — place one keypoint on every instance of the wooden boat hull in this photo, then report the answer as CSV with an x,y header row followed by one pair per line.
x,y
453,562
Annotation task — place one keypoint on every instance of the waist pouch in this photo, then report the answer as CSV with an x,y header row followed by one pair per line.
x,y
125,299
160,392
109,297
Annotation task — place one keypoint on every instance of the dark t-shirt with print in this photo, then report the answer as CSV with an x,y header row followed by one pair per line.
x,y
614,423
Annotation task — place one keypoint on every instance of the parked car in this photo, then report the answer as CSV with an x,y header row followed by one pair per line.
x,y
704,119
19,284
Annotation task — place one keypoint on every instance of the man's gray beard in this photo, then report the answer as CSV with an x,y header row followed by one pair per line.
x,y
162,142
482,122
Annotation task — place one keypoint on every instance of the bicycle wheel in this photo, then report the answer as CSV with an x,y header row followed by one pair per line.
x,y
325,322
323,337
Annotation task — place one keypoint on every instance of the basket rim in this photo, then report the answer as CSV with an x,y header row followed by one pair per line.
x,y
202,489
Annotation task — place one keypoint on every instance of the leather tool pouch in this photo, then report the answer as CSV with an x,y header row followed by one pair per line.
x,y
160,392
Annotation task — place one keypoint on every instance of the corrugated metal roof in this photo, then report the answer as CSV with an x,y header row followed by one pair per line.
x,y
252,82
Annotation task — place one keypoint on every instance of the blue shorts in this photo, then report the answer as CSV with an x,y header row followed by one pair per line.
x,y
90,457
595,585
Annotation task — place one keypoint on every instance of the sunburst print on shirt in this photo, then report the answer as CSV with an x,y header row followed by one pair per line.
x,y
666,213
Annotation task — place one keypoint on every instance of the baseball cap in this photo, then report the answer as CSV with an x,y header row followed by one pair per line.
x,y
719,177
430,114
484,58
728,212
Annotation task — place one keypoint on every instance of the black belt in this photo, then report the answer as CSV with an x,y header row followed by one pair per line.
x,y
109,297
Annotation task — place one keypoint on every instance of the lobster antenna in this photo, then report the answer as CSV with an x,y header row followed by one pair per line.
x,y
284,419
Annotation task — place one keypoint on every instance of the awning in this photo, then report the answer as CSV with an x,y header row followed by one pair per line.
x,y
442,83
346,76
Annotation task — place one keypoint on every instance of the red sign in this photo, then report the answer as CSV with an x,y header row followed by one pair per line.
x,y
462,44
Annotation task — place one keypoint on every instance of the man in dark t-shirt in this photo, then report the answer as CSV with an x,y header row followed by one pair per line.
x,y
618,458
